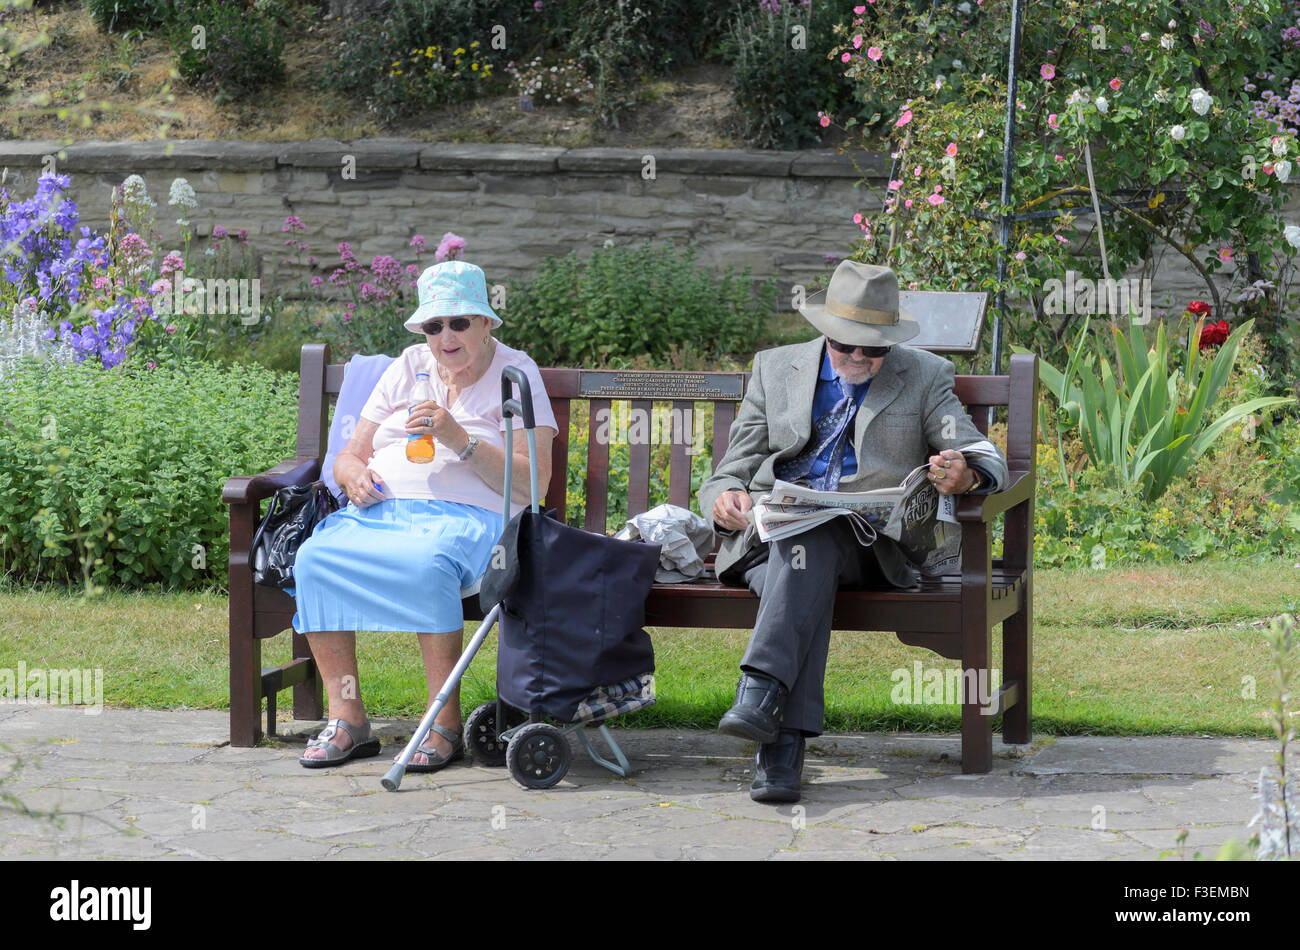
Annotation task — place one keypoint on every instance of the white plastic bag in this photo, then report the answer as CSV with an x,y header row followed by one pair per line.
x,y
686,538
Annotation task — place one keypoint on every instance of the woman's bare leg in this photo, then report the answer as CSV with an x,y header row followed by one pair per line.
x,y
440,652
335,652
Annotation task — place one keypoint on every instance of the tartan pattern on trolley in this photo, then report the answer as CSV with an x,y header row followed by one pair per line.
x,y
606,702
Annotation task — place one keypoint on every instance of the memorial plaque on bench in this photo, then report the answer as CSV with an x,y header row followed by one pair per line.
x,y
594,384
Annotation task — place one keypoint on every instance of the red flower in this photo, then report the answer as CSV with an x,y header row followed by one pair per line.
x,y
1213,335
1199,307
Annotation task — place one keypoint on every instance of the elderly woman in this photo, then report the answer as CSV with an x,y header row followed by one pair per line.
x,y
396,557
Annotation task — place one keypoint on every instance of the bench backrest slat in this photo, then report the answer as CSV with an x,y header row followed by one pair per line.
x,y
321,382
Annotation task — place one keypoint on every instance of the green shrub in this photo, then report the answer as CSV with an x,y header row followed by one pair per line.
x,y
409,61
243,48
779,88
120,472
628,302
122,15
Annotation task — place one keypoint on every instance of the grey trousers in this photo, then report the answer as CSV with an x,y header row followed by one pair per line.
x,y
796,584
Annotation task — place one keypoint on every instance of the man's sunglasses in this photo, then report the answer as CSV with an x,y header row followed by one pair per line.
x,y
870,352
458,324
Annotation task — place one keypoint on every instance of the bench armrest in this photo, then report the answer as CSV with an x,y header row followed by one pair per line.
x,y
984,508
249,489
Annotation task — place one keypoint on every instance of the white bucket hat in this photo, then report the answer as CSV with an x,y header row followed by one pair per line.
x,y
451,289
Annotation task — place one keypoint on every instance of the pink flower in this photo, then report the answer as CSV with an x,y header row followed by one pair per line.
x,y
1020,256
935,199
101,282
417,242
316,282
1052,123
152,365
906,204
857,44
859,11
537,8
874,54
1047,70
449,247
242,237
292,223
171,331
171,263
824,121
1114,84
1225,255
1060,237
857,219
161,286
916,173
950,150
938,188
1059,158
903,119
893,186
843,59
219,233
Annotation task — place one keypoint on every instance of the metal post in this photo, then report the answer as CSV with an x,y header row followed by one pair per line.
x,y
1008,165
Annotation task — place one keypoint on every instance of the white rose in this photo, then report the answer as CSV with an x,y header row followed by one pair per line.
x,y
963,8
1102,105
956,64
1282,170
1161,95
1167,41
1177,133
1173,24
1144,38
1279,146
1292,235
1201,101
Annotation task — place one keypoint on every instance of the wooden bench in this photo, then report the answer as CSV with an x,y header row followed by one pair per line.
x,y
954,615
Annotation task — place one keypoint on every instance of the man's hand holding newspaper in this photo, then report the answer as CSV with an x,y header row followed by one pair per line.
x,y
914,514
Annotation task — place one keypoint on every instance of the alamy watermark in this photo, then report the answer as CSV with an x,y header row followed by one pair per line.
x,y
189,295
53,687
1083,295
919,686
621,424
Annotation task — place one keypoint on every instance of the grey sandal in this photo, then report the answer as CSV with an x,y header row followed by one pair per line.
x,y
364,745
436,761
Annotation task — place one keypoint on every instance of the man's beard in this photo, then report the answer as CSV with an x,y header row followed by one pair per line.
x,y
863,375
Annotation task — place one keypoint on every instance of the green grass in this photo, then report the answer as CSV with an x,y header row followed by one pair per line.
x,y
1154,651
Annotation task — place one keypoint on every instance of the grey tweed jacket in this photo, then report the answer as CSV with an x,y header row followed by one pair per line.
x,y
909,413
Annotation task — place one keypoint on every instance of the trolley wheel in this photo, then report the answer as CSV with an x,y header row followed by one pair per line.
x,y
538,756
481,737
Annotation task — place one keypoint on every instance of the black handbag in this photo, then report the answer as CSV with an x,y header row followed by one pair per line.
x,y
294,513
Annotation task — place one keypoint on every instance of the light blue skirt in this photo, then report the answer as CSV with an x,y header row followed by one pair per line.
x,y
398,565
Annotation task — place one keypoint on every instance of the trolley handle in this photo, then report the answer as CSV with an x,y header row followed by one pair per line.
x,y
523,406
510,407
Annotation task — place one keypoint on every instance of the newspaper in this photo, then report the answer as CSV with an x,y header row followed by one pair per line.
x,y
914,514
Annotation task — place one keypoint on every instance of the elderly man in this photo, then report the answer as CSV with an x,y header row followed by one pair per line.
x,y
850,411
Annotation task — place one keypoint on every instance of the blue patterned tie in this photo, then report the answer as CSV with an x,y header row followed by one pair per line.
x,y
832,429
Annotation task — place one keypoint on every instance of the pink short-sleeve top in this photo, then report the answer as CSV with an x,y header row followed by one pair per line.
x,y
477,409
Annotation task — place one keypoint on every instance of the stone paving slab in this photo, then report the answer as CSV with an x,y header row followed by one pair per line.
x,y
133,784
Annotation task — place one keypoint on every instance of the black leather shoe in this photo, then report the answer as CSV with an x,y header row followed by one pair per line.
x,y
756,714
777,768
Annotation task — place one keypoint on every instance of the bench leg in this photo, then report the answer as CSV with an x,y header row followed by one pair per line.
x,y
976,738
1017,659
245,687
308,696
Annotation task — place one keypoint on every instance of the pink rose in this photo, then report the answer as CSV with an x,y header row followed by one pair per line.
x,y
1114,84
935,199
903,119
874,53
950,150
1052,123
1047,70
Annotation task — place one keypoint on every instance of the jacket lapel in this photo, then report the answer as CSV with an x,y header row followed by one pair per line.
x,y
885,387
801,386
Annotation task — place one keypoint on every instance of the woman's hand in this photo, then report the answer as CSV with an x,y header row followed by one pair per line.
x,y
364,488
429,418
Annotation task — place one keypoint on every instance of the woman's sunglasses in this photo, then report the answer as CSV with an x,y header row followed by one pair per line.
x,y
870,352
458,324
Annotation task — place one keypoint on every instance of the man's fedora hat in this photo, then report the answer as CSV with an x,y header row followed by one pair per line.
x,y
861,307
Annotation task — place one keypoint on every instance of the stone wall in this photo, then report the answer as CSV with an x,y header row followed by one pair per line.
x,y
779,213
